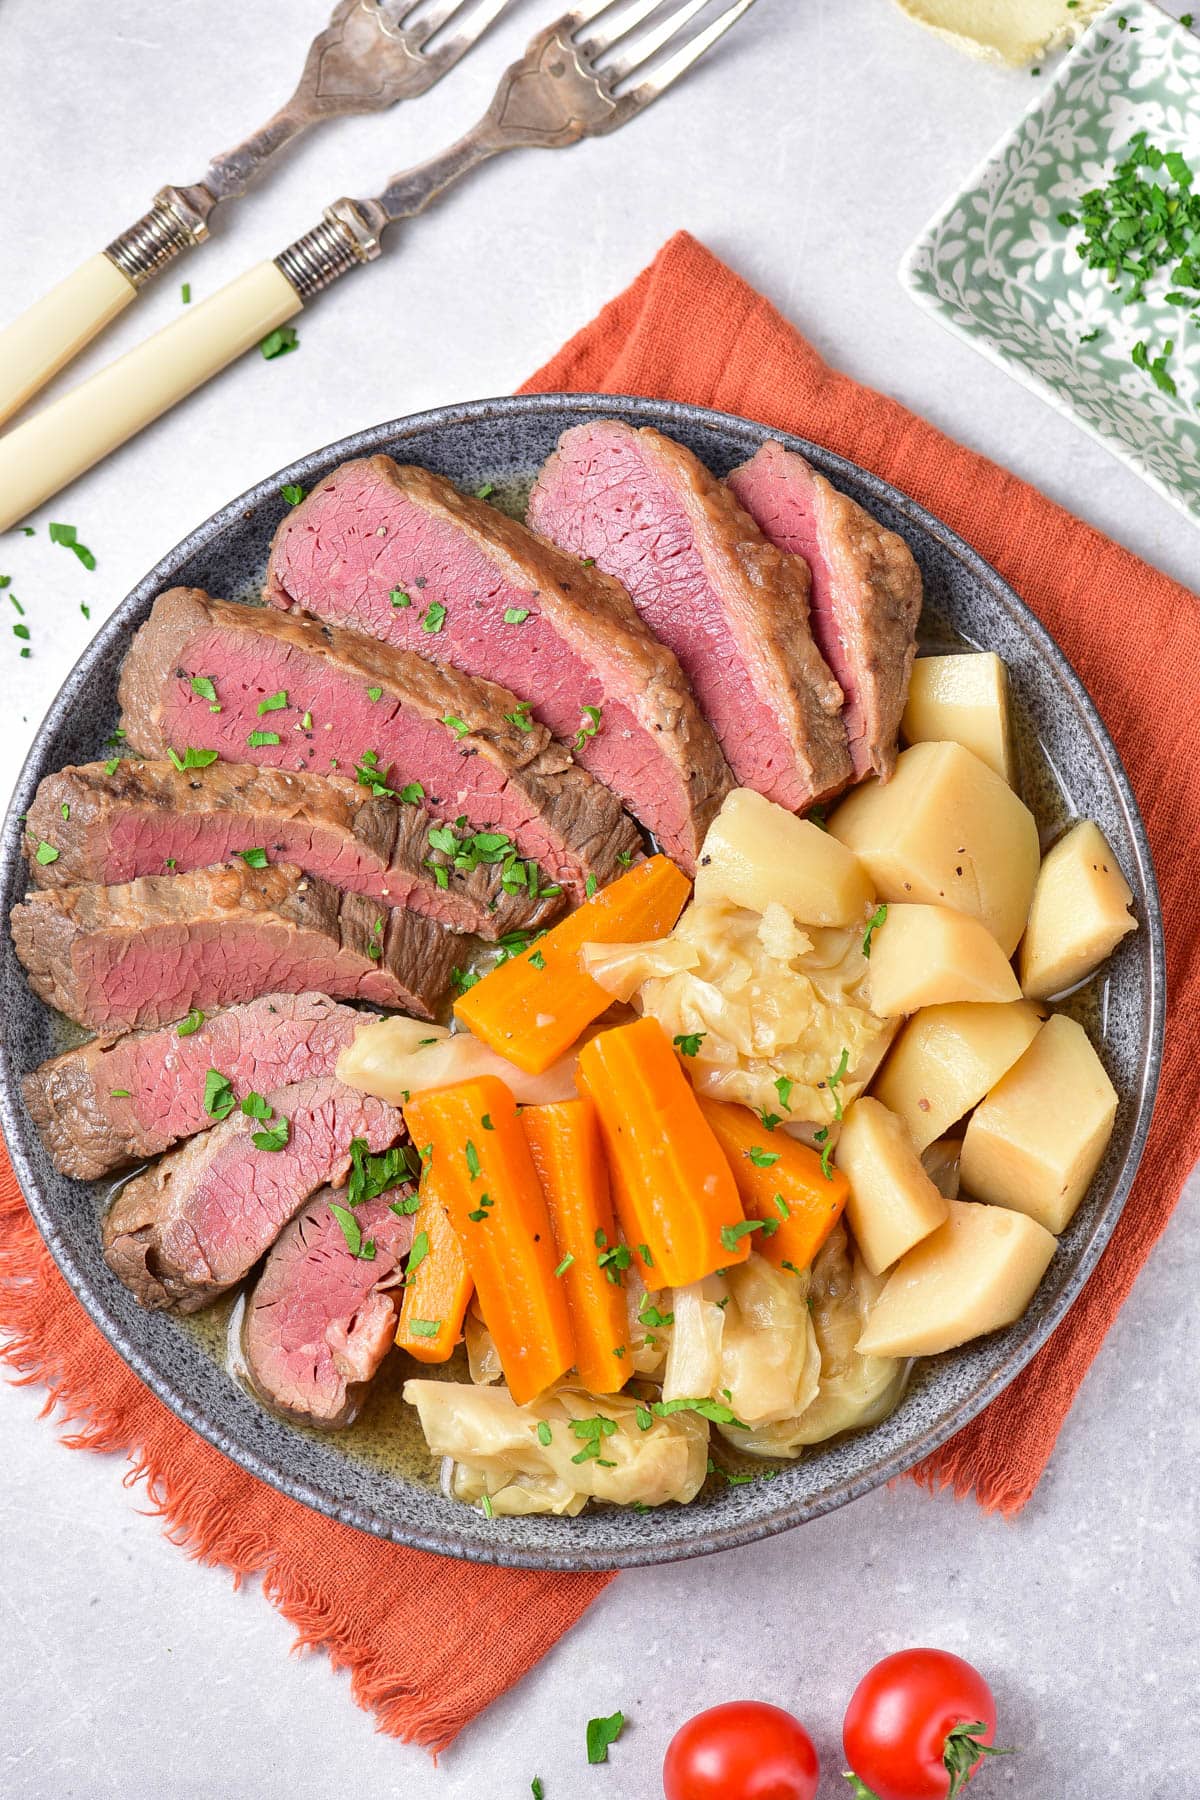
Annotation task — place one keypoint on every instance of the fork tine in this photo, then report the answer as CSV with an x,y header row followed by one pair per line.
x,y
685,56
431,20
649,43
470,30
584,11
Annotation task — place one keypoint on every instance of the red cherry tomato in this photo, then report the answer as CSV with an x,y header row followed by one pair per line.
x,y
745,1750
918,1726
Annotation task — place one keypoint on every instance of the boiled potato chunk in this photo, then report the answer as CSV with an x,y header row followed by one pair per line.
x,y
929,956
756,852
962,700
1036,1141
892,1204
972,1275
947,1058
1079,912
946,830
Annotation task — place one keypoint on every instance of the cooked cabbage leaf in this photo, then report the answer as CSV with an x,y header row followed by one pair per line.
x,y
564,1449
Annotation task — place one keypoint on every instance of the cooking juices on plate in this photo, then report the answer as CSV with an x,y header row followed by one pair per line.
x,y
728,1124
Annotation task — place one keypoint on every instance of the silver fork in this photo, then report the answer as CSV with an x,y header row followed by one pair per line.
x,y
365,60
569,84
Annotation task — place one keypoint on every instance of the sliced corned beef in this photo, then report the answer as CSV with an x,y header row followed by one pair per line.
x,y
732,607
147,952
197,1221
297,694
319,1320
110,824
866,593
117,1101
400,554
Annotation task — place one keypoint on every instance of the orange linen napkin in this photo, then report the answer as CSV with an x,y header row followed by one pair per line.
x,y
431,1642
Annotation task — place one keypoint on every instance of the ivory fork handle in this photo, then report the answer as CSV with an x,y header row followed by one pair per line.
x,y
55,328
50,449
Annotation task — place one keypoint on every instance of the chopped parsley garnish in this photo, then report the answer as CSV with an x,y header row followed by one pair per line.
x,y
822,1138
66,535
418,1253
770,1120
411,793
434,619
119,1094
732,1235
256,1106
486,1122
193,758
590,886
292,493
644,1253
185,293
480,1213
614,1261
65,810
375,940
112,765
484,492
489,1511
877,918
652,1317
458,726
278,343
259,740
425,1327
537,960
601,1733
352,1232
462,980
371,1175
472,1159
520,717
545,1435
274,1138
374,693
306,722
564,1265
781,1206
714,1410
46,853
219,1097
255,858
762,1159
593,1431
1156,367
783,1087
688,1042
399,598
272,703
589,726
193,1022
203,686
369,775
516,615
834,1082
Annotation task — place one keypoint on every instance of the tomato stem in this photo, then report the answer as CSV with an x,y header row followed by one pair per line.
x,y
963,1750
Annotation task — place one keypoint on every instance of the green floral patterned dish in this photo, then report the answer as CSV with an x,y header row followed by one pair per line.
x,y
999,267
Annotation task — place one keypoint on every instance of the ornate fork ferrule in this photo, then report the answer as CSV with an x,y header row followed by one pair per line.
x,y
177,221
346,237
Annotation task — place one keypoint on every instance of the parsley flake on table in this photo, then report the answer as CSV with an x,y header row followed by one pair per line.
x,y
278,343
602,1734
66,535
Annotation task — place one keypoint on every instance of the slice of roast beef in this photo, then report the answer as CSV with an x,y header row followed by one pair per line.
x,y
319,1320
866,593
732,607
400,554
300,695
117,1101
110,824
149,951
196,1222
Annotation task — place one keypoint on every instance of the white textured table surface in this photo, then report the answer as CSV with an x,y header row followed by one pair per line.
x,y
809,158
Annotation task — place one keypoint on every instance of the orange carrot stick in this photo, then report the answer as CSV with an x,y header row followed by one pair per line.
x,y
470,1137
533,1007
675,1193
781,1183
568,1154
438,1288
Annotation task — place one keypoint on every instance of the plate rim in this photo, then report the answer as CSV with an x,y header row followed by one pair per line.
x,y
18,1129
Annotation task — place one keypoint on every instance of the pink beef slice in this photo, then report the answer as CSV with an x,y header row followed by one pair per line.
x,y
866,593
117,1101
400,554
149,951
461,740
193,1225
319,1320
111,824
732,607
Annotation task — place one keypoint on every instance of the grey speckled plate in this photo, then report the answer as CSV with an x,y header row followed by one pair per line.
x,y
504,441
